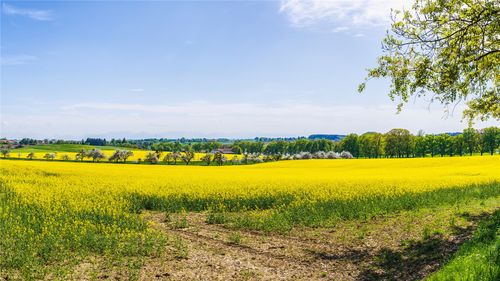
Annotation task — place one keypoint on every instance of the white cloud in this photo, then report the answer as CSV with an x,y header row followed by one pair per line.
x,y
354,13
16,59
41,15
137,90
213,119
340,29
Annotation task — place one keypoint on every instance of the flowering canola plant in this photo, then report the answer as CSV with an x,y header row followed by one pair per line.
x,y
54,207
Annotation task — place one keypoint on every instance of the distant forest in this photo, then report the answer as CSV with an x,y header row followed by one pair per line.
x,y
395,143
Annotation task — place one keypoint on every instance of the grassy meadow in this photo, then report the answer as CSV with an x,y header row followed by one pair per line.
x,y
52,210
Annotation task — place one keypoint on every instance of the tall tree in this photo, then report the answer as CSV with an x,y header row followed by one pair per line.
x,y
351,143
399,143
490,139
431,143
370,145
458,144
470,139
420,146
444,144
364,142
448,49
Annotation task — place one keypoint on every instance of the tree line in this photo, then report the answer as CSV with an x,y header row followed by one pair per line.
x,y
397,143
400,143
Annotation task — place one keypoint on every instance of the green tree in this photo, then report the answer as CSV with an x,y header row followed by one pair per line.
x,y
211,145
449,49
459,144
158,148
370,145
431,143
197,147
236,149
177,147
276,149
490,140
420,146
364,142
470,139
444,144
351,143
399,143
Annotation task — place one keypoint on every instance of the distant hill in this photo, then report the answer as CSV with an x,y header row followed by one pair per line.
x,y
326,137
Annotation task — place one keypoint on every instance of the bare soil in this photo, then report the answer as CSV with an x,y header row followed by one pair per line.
x,y
398,247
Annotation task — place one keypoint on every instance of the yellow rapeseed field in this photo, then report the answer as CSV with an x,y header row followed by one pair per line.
x,y
38,180
48,208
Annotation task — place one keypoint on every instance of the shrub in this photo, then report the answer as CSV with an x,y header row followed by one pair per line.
x,y
346,155
332,155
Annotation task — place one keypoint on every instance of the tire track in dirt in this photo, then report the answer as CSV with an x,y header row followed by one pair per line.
x,y
307,250
387,251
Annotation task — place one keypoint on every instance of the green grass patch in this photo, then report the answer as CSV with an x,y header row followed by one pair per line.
x,y
479,258
281,212
327,213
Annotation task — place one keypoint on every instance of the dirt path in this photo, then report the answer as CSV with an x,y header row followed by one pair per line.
x,y
201,251
213,255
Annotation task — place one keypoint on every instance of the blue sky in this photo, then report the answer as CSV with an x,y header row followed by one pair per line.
x,y
198,69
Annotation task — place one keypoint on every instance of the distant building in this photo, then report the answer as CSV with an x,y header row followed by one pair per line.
x,y
223,150
11,143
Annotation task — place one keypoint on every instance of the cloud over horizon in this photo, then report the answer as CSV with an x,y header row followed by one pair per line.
x,y
210,119
16,59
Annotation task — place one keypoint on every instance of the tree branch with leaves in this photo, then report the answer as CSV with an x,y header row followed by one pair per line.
x,y
448,50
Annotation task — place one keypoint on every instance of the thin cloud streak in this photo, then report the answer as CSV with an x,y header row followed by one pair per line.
x,y
16,59
137,90
39,15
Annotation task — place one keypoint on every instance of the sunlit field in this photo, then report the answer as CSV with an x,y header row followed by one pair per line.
x,y
51,208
